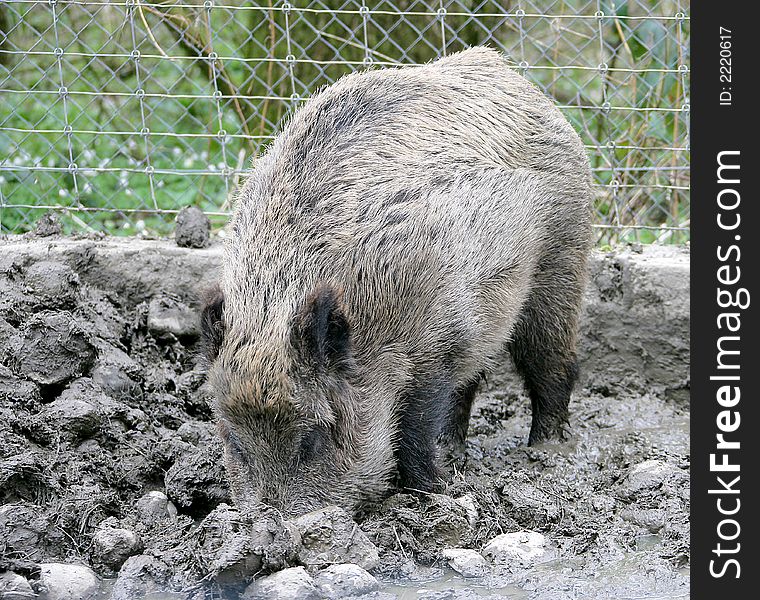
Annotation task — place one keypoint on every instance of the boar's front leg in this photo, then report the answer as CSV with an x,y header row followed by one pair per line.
x,y
423,412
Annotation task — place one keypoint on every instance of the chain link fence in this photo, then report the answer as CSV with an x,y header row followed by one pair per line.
x,y
119,113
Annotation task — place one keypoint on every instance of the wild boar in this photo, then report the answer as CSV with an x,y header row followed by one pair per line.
x,y
404,228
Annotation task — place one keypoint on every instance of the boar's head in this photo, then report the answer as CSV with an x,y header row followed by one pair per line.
x,y
300,431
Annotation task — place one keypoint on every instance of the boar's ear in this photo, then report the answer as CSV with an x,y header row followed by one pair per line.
x,y
320,329
212,323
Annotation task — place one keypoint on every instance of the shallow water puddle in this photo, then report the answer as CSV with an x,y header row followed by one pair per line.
x,y
451,582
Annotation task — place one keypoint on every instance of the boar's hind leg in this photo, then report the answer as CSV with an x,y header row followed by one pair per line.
x,y
543,345
455,429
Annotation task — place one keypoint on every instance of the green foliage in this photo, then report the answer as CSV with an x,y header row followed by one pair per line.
x,y
119,134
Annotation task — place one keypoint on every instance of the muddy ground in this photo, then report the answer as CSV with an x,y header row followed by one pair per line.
x,y
108,457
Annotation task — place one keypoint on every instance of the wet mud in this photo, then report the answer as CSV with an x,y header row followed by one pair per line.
x,y
112,485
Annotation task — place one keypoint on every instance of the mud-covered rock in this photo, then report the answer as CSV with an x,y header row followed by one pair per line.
x,y
289,584
527,504
60,581
7,332
66,417
53,348
139,577
423,524
114,545
53,283
525,547
196,432
15,302
341,581
154,507
115,382
236,546
106,322
78,413
196,395
26,531
196,481
168,315
466,562
110,355
330,536
652,519
47,225
24,475
651,475
18,391
193,228
15,587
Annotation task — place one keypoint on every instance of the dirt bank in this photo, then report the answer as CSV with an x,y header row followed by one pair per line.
x,y
109,458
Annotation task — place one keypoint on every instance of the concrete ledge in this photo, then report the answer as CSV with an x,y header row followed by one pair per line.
x,y
635,332
634,337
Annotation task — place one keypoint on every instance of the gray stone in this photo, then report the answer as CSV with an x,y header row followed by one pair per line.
x,y
59,581
166,315
114,545
155,507
524,547
139,577
289,584
467,563
330,536
340,581
470,506
15,587
193,229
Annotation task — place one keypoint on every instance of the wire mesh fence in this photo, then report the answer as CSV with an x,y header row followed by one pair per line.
x,y
119,113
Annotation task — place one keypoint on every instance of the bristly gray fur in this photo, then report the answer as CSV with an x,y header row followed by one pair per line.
x,y
424,218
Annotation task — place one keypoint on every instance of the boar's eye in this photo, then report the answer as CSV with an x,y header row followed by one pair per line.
x,y
233,443
313,443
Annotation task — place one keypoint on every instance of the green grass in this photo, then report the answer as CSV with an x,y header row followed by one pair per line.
x,y
112,155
